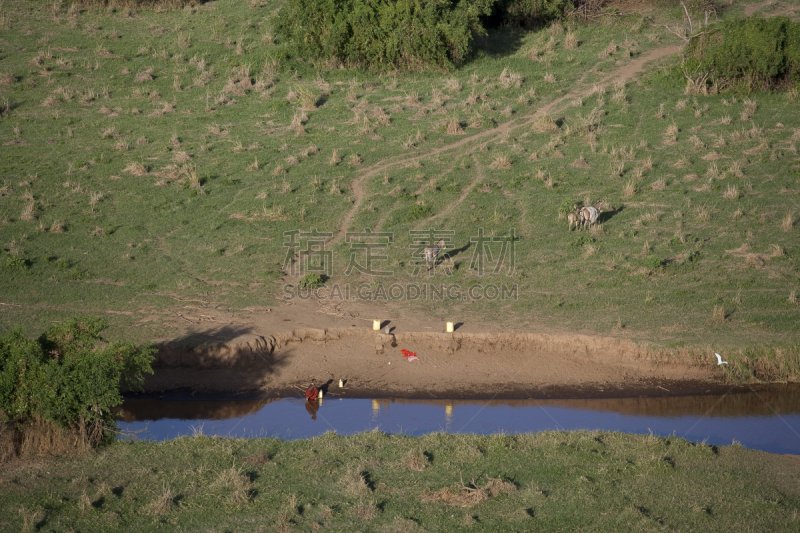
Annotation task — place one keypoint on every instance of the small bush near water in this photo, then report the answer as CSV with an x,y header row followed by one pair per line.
x,y
64,384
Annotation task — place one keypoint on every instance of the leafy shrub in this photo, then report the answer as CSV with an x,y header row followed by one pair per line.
x,y
568,206
416,212
653,262
383,34
14,262
311,281
582,240
757,52
70,376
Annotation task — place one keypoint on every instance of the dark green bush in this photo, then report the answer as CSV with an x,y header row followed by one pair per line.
x,y
568,206
759,53
70,376
417,212
383,34
582,240
312,281
14,262
653,262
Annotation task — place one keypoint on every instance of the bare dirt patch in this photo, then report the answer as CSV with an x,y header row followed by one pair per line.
x,y
277,354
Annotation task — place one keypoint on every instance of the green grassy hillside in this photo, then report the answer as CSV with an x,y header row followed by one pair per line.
x,y
154,158
376,482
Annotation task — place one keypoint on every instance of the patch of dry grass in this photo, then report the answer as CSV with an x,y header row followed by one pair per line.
x,y
501,162
731,193
788,222
703,213
162,503
510,80
544,124
469,495
453,127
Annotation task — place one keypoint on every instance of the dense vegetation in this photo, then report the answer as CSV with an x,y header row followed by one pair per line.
x,y
407,34
384,34
751,53
69,376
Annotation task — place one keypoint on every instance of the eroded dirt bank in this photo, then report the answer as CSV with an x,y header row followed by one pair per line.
x,y
451,365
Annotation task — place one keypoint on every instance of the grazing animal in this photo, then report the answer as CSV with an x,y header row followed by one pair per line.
x,y
589,216
432,252
573,219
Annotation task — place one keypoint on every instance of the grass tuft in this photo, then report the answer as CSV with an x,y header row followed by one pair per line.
x,y
788,222
501,162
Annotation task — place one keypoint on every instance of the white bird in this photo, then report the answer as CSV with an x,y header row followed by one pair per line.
x,y
719,360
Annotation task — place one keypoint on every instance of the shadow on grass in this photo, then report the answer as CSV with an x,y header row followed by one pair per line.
x,y
499,42
608,215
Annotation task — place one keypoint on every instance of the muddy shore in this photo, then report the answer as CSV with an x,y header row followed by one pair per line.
x,y
459,365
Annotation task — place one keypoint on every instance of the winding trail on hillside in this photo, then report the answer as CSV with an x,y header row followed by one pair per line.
x,y
479,177
625,72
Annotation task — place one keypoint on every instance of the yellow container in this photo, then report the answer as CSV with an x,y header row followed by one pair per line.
x,y
449,327
376,325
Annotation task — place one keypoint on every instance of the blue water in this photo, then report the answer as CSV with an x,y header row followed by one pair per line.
x,y
769,422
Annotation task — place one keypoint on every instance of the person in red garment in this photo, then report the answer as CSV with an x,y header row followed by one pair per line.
x,y
311,391
312,406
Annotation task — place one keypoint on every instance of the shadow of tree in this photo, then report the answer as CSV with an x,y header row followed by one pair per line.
x,y
499,42
218,334
209,359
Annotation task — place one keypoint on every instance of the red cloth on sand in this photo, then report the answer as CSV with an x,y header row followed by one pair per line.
x,y
410,356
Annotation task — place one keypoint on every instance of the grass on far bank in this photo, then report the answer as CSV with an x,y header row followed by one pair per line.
x,y
155,159
377,482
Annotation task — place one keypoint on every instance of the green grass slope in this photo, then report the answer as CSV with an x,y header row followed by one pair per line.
x,y
376,482
151,159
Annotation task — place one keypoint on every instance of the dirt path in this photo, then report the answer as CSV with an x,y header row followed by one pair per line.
x,y
625,73
479,177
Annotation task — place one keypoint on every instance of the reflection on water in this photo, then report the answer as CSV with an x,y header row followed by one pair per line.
x,y
765,420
